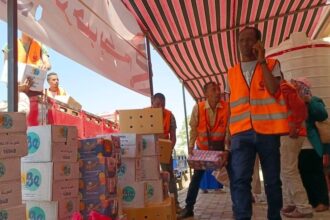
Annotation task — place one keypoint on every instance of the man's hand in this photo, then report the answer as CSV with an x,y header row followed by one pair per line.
x,y
224,158
191,151
44,67
259,52
26,85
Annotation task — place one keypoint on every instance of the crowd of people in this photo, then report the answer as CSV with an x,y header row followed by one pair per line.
x,y
267,121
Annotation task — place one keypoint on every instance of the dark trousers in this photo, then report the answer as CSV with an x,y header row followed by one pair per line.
x,y
193,189
311,171
244,147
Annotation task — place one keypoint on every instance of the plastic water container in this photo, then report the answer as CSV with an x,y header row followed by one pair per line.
x,y
301,57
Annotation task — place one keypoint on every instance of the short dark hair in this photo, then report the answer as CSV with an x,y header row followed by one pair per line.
x,y
51,74
256,31
207,85
158,96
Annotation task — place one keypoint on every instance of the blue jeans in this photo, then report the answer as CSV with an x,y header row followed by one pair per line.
x,y
244,147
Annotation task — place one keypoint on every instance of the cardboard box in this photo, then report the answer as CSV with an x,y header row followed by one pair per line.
x,y
165,150
13,213
10,169
149,145
150,168
141,121
154,192
68,100
96,146
130,170
130,145
52,143
134,195
23,72
205,159
44,181
10,193
102,205
88,166
42,210
53,210
13,145
12,122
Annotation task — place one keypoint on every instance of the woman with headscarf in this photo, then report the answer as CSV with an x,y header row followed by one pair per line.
x,y
310,158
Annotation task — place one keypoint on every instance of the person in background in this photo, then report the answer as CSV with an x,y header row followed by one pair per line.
x,y
54,88
295,199
258,117
310,158
169,123
31,51
208,129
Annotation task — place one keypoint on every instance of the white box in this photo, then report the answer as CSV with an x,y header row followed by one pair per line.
x,y
42,210
45,181
154,191
134,195
53,210
129,170
10,193
150,168
13,213
13,145
149,145
12,122
52,143
24,71
130,145
10,169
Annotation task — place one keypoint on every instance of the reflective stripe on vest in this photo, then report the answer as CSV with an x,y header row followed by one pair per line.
x,y
253,107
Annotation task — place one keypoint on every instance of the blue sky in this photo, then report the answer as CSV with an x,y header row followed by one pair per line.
x,y
98,94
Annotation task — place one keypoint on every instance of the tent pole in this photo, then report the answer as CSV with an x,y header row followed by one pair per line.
x,y
12,55
185,118
150,68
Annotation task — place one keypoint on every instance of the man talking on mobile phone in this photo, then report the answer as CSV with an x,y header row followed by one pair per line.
x,y
258,117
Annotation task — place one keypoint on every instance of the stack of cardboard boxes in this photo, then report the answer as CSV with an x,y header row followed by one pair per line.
x,y
13,145
50,172
98,161
139,174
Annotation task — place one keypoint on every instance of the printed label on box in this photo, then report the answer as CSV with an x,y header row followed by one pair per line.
x,y
10,169
12,122
13,145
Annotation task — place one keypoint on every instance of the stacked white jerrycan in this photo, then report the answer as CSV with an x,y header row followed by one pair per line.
x,y
302,57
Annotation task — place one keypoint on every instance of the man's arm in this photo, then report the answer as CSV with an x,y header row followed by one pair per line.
x,y
45,62
193,129
272,83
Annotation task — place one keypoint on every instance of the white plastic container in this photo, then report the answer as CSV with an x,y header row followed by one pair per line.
x,y
301,57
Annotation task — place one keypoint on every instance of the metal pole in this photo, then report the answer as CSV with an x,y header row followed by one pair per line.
x,y
12,55
150,67
185,118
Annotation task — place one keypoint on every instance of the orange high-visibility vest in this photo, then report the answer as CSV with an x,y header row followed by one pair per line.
x,y
254,107
167,123
60,92
32,56
215,133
